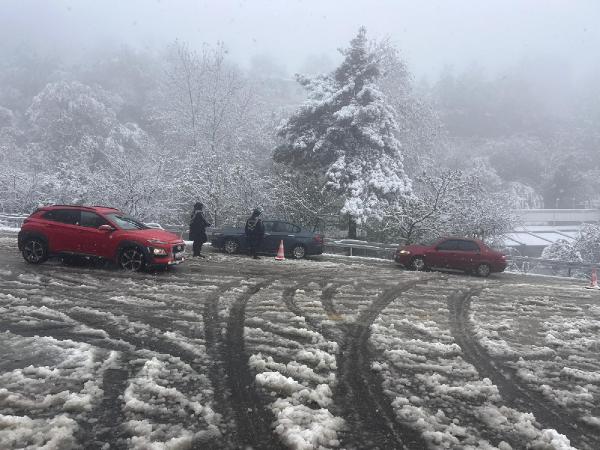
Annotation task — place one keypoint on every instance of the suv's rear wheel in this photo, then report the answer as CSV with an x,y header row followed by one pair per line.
x,y
231,246
132,258
34,251
298,252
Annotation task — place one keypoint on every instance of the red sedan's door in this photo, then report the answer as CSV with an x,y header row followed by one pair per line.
x,y
470,255
93,241
444,254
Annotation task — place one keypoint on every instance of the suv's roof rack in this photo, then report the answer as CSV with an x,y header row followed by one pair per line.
x,y
81,206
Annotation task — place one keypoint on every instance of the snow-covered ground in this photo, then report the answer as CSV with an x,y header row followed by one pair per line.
x,y
230,353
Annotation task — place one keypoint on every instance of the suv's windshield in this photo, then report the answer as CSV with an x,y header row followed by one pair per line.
x,y
126,223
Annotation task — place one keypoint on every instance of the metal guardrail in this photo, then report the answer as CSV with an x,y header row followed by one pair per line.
x,y
526,264
12,220
351,247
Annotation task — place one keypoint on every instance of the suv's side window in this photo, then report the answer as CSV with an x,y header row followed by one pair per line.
x,y
68,216
268,226
468,246
91,220
447,245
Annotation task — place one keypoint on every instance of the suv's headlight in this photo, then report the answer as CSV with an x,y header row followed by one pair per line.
x,y
159,252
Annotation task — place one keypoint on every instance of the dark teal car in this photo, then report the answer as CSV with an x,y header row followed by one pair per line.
x,y
297,242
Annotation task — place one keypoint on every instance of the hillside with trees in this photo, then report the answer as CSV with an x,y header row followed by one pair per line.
x,y
361,147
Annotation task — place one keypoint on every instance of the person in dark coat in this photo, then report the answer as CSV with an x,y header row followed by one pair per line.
x,y
198,226
255,232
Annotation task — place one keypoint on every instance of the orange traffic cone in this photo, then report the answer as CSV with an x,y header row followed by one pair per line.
x,y
593,281
280,254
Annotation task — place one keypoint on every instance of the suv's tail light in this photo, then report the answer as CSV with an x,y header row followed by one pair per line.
x,y
318,238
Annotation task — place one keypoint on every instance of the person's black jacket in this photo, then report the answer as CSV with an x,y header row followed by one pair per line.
x,y
198,226
255,229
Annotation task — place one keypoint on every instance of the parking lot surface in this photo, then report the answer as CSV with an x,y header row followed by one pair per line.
x,y
228,352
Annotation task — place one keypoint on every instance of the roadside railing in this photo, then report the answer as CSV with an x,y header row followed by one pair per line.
x,y
352,247
12,220
542,266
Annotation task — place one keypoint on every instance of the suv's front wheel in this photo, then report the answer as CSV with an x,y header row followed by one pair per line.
x,y
34,251
132,258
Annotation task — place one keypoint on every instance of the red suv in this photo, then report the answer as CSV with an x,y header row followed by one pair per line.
x,y
97,231
469,255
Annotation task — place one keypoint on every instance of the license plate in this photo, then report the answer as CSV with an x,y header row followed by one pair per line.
x,y
178,255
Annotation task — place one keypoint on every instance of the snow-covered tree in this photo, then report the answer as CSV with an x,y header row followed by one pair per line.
x,y
588,243
300,197
206,113
346,131
419,128
562,250
449,202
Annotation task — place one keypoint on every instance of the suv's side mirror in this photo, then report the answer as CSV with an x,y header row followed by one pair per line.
x,y
106,227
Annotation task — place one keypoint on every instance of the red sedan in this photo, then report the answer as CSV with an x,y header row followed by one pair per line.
x,y
468,255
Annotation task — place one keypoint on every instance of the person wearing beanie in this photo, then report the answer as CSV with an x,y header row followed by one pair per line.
x,y
255,232
198,226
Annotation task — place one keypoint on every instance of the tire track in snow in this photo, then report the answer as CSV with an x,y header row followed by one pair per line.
x,y
155,344
513,391
109,415
289,293
366,408
214,348
254,420
359,394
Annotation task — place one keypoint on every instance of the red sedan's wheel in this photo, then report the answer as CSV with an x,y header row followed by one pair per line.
x,y
418,264
483,270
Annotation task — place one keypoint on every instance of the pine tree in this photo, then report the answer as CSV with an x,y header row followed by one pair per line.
x,y
345,131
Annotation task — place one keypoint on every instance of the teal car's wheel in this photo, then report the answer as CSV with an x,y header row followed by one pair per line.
x,y
231,246
298,252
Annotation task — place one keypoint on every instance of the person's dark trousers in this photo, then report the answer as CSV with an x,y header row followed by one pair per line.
x,y
197,247
255,246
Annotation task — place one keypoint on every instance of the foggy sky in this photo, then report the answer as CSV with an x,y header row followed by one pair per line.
x,y
493,34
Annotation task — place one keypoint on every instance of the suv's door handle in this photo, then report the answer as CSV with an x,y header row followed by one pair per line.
x,y
291,235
